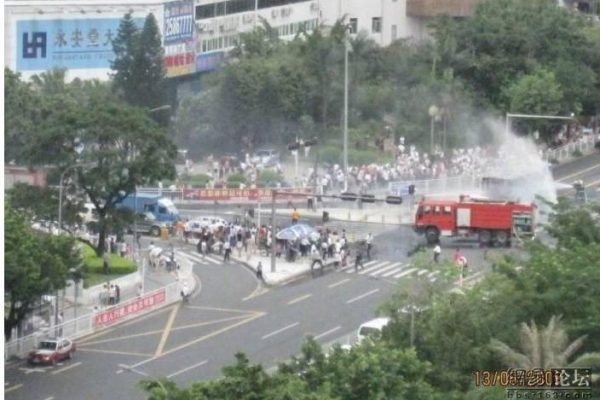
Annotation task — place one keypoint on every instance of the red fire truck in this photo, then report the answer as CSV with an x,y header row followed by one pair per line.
x,y
492,222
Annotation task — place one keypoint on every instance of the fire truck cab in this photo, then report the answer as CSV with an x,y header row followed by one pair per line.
x,y
491,221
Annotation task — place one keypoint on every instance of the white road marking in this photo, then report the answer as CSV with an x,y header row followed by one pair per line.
x,y
58,371
422,272
339,283
49,398
319,336
10,389
397,267
366,270
408,271
280,330
362,296
578,173
119,371
187,369
432,274
32,370
299,299
132,369
350,266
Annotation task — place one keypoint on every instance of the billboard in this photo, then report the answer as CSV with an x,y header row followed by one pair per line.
x,y
178,34
210,61
179,22
44,44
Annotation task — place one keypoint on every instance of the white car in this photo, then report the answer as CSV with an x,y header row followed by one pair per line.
x,y
371,328
196,225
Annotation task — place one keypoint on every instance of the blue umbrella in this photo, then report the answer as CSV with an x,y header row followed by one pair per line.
x,y
298,231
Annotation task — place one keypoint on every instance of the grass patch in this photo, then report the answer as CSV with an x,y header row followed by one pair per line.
x,y
93,279
93,271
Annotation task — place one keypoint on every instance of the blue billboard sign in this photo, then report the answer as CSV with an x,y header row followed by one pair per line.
x,y
179,21
66,43
209,62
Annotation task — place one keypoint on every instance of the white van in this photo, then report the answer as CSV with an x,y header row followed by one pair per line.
x,y
371,328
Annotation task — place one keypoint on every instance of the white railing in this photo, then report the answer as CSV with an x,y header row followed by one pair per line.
x,y
434,186
584,144
86,324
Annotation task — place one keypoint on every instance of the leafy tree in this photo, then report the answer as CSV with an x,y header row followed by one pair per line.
x,y
536,93
33,266
548,348
123,148
20,115
125,49
148,70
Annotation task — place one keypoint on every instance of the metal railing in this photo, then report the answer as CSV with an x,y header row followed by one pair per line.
x,y
584,144
434,186
84,325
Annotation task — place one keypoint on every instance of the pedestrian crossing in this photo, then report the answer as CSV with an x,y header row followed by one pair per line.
x,y
196,258
391,270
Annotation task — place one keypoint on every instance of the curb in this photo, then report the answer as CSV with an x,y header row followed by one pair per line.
x,y
271,285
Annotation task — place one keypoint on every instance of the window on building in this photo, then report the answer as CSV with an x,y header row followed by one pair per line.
x,y
394,32
353,25
376,25
239,6
205,11
220,9
275,3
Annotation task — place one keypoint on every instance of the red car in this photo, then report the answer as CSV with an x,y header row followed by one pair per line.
x,y
50,351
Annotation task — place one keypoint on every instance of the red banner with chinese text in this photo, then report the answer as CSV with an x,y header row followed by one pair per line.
x,y
242,194
131,307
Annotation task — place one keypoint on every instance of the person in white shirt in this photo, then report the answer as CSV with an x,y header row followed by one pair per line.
x,y
437,251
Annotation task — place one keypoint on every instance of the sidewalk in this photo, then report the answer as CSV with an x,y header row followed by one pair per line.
x,y
390,214
285,271
152,280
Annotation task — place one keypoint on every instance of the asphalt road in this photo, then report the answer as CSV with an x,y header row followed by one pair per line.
x,y
231,313
585,168
193,342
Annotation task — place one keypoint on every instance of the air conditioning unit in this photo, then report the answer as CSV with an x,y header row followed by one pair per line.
x,y
274,14
314,7
247,18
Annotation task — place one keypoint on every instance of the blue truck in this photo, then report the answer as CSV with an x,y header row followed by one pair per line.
x,y
161,208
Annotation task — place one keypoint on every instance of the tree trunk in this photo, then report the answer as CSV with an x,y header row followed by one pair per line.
x,y
101,234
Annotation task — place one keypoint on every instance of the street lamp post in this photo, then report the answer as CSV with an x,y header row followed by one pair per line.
x,y
346,50
60,196
433,114
533,116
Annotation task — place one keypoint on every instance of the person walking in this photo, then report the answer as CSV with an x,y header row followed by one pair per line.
x,y
295,216
111,295
117,294
59,322
437,251
227,247
259,273
369,241
358,261
315,255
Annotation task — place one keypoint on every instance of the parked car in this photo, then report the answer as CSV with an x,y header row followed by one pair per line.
x,y
50,351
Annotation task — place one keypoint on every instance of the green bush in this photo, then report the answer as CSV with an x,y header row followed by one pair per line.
x,y
233,181
577,153
197,180
118,265
267,177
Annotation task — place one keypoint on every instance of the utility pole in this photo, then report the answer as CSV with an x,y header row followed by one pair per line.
x,y
273,240
346,50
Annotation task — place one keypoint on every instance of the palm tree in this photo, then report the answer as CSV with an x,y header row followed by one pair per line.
x,y
548,348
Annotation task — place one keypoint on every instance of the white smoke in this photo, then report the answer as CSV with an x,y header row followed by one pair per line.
x,y
521,161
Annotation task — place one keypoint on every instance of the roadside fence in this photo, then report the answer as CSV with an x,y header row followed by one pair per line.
x,y
97,320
